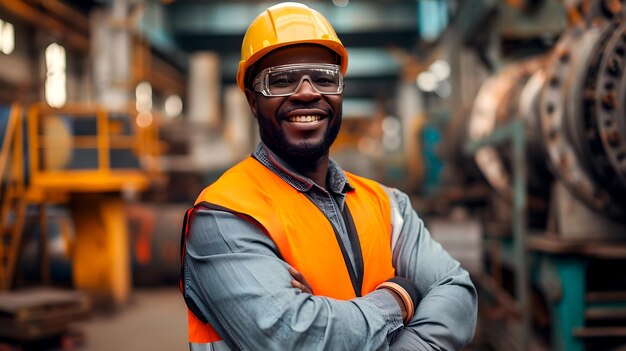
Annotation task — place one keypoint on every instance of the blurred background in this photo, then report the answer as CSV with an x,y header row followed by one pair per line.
x,y
503,119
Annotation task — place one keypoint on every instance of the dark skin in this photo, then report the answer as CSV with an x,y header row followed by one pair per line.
x,y
304,145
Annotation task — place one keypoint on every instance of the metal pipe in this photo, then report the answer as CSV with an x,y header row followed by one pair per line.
x,y
26,12
514,132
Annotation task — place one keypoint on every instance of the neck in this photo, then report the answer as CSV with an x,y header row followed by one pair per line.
x,y
316,169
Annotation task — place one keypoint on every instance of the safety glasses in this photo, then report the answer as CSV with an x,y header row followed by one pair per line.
x,y
286,79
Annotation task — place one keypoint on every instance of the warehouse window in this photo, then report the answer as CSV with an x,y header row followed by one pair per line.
x,y
7,37
56,79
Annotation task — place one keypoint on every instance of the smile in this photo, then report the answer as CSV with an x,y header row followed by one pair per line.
x,y
304,119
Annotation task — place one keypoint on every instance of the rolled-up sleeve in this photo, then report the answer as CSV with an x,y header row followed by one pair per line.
x,y
445,317
234,277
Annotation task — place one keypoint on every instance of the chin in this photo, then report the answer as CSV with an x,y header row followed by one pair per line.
x,y
307,151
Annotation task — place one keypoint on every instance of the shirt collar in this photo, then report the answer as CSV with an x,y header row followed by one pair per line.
x,y
337,180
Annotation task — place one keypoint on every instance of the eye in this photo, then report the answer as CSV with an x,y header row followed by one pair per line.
x,y
281,80
326,80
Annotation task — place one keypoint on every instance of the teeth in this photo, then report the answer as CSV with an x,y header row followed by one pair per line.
x,y
305,119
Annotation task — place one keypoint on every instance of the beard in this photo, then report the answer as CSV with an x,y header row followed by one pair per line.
x,y
274,138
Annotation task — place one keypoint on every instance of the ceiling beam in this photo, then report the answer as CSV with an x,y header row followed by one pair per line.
x,y
234,17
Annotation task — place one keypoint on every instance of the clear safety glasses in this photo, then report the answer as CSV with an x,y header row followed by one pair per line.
x,y
286,79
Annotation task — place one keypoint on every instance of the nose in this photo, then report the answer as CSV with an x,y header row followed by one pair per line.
x,y
305,90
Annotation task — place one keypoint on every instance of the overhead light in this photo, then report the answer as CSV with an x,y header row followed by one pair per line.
x,y
55,86
143,97
391,126
173,106
7,38
441,69
427,81
144,119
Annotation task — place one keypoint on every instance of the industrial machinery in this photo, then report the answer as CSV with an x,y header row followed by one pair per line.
x,y
571,103
561,111
86,158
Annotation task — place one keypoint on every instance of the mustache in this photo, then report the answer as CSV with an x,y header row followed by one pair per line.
x,y
317,106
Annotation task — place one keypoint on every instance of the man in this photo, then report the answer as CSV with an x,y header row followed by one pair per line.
x,y
288,252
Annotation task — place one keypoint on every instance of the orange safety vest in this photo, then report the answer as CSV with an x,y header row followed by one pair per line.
x,y
302,233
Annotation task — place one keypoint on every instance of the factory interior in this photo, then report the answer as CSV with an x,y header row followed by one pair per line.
x,y
504,120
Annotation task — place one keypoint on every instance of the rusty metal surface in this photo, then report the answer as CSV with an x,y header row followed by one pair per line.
x,y
610,99
578,93
585,126
567,125
573,129
483,120
537,155
572,106
498,102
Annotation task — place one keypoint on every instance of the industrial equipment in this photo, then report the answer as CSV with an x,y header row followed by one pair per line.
x,y
547,133
86,158
570,103
502,99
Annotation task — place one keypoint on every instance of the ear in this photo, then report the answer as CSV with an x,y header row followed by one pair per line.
x,y
251,97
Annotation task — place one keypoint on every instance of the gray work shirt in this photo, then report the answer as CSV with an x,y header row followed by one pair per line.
x,y
233,276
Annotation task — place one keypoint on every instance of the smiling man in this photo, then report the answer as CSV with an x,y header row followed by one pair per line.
x,y
286,251
294,120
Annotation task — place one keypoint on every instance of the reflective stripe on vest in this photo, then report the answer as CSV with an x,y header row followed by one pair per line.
x,y
289,218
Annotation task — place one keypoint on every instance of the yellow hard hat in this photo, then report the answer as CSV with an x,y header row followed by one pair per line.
x,y
286,24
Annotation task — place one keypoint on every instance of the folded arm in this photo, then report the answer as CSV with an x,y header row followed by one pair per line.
x,y
233,276
445,317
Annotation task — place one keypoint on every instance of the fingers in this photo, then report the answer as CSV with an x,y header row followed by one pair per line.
x,y
295,274
299,281
296,284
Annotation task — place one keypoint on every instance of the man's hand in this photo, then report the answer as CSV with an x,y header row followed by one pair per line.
x,y
299,282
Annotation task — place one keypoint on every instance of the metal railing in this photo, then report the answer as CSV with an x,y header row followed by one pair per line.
x,y
106,133
12,201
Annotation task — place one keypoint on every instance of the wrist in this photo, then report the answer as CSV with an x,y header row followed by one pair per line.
x,y
402,297
399,301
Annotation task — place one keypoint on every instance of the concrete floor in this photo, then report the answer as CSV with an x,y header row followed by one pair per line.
x,y
155,319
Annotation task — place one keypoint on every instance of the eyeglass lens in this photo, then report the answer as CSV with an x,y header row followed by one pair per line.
x,y
287,81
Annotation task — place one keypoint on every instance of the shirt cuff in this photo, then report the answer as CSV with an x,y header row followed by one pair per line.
x,y
389,309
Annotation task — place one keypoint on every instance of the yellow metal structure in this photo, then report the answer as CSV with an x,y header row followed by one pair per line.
x,y
100,252
12,202
100,262
100,179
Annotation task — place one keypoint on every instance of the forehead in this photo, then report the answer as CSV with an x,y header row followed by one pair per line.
x,y
306,53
